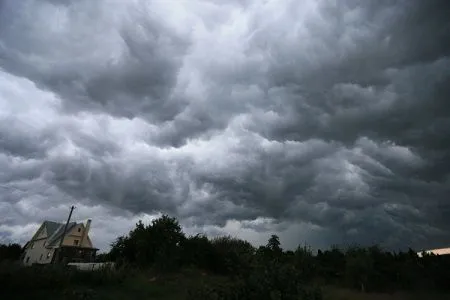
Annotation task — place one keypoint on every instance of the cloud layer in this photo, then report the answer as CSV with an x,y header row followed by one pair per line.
x,y
324,122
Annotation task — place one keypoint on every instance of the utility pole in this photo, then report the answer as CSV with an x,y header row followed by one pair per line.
x,y
64,232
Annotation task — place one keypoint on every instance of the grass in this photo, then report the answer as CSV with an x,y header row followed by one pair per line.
x,y
141,285
175,287
149,285
333,293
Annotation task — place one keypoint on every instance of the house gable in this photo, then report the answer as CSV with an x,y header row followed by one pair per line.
x,y
35,250
45,231
88,242
73,237
40,233
53,240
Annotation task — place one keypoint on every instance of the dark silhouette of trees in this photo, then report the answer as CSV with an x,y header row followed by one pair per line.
x,y
157,244
269,270
241,271
274,244
233,256
10,252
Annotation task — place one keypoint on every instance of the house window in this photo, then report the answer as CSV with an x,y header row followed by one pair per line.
x,y
79,229
75,242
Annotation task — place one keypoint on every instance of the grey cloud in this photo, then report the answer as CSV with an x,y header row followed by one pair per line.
x,y
326,123
129,71
14,140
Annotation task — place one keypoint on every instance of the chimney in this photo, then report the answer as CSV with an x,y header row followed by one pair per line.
x,y
85,232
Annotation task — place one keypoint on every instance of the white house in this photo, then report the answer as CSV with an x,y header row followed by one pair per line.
x,y
44,246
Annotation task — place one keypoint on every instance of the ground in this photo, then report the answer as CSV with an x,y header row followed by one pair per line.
x,y
146,285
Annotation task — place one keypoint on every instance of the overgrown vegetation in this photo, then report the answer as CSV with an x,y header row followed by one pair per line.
x,y
230,268
10,252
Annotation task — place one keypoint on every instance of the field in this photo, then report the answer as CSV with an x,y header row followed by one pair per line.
x,y
177,286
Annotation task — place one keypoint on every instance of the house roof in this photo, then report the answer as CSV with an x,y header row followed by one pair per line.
x,y
54,232
51,227
54,237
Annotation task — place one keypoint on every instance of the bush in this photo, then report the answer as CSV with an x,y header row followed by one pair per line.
x,y
248,291
234,256
14,277
266,282
10,252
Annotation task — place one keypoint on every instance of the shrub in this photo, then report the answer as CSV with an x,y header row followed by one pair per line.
x,y
14,277
266,282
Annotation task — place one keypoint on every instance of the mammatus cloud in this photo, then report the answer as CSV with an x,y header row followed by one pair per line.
x,y
327,123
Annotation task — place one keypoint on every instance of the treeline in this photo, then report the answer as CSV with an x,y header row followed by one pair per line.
x,y
162,245
237,269
10,252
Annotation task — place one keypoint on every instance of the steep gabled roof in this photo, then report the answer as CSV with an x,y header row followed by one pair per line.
x,y
53,238
51,227
54,232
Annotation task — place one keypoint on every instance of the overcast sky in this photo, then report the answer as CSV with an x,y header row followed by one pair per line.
x,y
325,122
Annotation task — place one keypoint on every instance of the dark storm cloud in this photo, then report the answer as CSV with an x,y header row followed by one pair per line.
x,y
325,123
130,70
14,140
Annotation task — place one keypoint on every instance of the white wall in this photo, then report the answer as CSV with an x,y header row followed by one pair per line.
x,y
37,253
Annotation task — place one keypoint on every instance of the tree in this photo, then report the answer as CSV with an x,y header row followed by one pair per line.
x,y
157,244
305,263
198,251
274,243
358,267
234,255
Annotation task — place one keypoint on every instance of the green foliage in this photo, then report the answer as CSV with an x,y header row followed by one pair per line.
x,y
102,257
270,284
262,274
359,267
198,251
15,277
234,256
157,244
304,262
365,269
